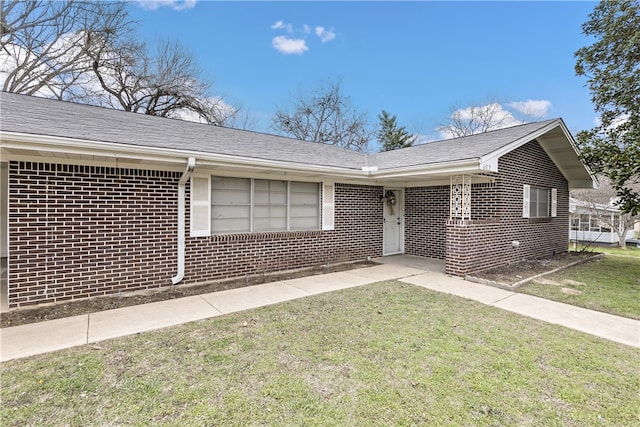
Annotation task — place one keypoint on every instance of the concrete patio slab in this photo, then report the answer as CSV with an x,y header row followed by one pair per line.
x,y
43,337
132,320
249,297
459,287
604,325
328,282
421,263
385,272
38,338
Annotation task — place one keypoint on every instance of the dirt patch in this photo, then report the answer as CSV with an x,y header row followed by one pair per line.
x,y
513,273
26,315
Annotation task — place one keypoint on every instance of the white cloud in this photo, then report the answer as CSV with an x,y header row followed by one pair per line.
x,y
35,70
174,4
288,46
324,34
478,119
535,108
279,25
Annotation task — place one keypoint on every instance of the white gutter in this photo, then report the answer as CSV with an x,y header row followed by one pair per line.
x,y
191,164
19,141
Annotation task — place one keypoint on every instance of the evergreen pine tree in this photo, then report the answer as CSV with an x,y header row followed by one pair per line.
x,y
390,136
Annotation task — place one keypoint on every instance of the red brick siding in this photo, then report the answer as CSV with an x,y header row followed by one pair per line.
x,y
497,219
82,231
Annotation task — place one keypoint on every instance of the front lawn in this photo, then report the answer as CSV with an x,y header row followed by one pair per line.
x,y
611,284
383,354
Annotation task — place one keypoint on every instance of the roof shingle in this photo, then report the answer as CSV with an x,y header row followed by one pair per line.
x,y
39,116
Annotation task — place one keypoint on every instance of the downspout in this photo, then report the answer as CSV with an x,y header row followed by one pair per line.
x,y
191,164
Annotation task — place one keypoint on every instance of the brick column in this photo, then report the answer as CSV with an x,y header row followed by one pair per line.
x,y
472,246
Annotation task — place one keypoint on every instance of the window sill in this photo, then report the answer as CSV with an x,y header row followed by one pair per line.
x,y
540,220
242,237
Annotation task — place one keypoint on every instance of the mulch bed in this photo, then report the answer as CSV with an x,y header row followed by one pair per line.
x,y
42,313
515,273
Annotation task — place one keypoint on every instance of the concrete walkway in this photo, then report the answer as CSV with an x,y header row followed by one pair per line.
x,y
37,338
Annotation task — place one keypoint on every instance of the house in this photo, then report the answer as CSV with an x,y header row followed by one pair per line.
x,y
98,201
595,217
599,223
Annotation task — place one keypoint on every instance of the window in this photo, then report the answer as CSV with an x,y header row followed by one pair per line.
x,y
258,205
539,202
269,205
616,223
303,208
584,222
575,223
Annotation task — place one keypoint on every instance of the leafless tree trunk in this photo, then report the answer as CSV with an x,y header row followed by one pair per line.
x,y
44,44
324,116
166,83
85,51
476,119
621,227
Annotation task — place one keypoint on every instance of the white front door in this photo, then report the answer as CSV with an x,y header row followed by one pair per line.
x,y
393,230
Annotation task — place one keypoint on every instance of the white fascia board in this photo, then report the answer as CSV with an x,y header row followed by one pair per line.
x,y
487,161
567,134
447,168
252,163
167,155
583,184
55,144
495,155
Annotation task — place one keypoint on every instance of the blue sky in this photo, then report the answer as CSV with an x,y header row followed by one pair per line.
x,y
417,60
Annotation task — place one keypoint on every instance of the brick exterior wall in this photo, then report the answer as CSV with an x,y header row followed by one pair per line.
x,y
83,231
426,214
357,235
486,240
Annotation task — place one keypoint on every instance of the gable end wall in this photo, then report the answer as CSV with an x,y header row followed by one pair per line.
x,y
487,240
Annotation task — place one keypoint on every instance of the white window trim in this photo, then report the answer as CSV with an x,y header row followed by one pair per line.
x,y
526,202
321,209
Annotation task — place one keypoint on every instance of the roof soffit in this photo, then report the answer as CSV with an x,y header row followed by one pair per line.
x,y
556,140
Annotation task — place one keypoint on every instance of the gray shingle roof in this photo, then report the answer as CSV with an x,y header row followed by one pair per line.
x,y
450,150
39,116
31,115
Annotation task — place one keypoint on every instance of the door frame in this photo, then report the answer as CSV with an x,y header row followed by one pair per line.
x,y
400,217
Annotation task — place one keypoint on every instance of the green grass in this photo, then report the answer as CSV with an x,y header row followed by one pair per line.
x,y
379,355
611,285
630,251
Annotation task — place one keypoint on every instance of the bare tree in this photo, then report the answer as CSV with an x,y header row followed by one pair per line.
x,y
165,83
44,43
327,116
242,119
476,119
86,51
